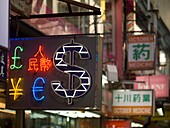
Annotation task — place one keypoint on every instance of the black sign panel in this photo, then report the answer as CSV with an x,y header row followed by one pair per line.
x,y
52,73
3,64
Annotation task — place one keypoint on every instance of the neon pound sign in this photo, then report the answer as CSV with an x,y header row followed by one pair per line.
x,y
17,58
39,62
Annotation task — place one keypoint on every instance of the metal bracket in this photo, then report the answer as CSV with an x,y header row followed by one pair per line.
x,y
94,11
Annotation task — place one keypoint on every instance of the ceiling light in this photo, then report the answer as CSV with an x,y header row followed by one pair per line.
x,y
75,114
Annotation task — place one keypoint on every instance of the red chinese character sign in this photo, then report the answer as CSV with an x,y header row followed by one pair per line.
x,y
141,51
41,64
117,124
53,73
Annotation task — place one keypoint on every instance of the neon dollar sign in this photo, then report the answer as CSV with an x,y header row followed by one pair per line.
x,y
72,70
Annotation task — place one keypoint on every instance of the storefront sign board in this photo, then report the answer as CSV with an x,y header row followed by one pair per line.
x,y
141,51
159,83
133,102
53,73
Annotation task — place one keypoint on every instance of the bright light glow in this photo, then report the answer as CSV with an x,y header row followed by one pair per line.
x,y
8,111
2,90
37,115
160,111
16,91
68,119
27,111
162,58
136,125
136,28
75,114
103,5
2,105
104,80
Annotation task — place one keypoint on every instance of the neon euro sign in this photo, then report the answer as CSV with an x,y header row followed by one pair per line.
x,y
38,88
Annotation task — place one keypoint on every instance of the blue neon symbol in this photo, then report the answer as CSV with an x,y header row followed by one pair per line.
x,y
38,88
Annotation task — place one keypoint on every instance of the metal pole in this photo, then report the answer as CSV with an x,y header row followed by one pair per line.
x,y
149,16
20,118
95,24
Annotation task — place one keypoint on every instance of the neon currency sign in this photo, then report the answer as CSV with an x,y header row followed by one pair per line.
x,y
39,62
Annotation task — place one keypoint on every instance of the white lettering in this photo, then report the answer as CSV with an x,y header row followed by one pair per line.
x,y
142,110
122,110
133,111
143,86
141,39
159,87
140,65
2,71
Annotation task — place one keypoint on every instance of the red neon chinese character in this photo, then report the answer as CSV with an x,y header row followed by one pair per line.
x,y
40,51
39,63
45,64
33,64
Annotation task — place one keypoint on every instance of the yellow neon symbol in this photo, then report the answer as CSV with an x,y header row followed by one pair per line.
x,y
16,91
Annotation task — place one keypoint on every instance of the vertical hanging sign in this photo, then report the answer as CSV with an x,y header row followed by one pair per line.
x,y
3,64
141,50
133,102
53,73
4,22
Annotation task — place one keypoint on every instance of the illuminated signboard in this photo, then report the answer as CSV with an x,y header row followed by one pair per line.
x,y
117,124
3,64
159,83
133,102
53,73
141,52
